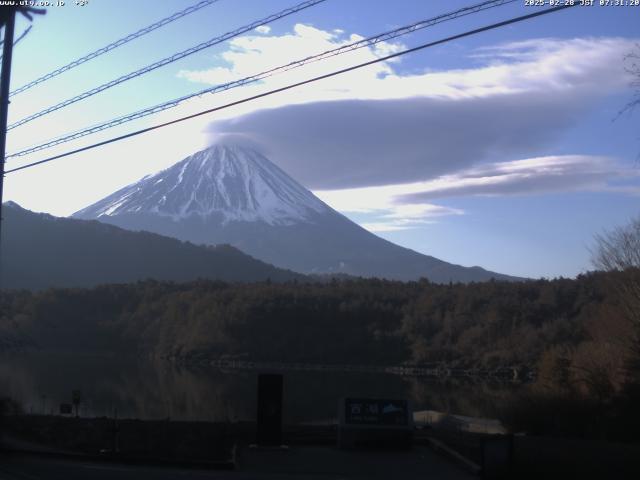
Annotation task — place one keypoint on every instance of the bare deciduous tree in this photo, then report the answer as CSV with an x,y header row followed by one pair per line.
x,y
619,250
632,66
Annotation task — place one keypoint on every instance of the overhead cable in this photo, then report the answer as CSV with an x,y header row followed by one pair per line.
x,y
167,60
367,42
114,45
298,84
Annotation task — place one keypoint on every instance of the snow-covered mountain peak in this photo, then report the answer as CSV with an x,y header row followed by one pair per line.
x,y
235,182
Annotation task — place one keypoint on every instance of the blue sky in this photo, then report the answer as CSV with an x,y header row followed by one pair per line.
x,y
502,150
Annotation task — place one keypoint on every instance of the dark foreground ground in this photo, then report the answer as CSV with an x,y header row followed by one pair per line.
x,y
70,448
48,447
151,439
296,462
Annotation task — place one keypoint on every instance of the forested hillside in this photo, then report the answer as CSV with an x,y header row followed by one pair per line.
x,y
41,251
353,321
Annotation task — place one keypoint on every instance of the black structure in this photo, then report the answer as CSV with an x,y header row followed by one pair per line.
x,y
269,424
7,20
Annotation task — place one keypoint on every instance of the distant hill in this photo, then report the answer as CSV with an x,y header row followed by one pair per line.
x,y
41,251
233,194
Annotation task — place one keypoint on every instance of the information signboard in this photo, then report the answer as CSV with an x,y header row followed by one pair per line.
x,y
379,422
368,411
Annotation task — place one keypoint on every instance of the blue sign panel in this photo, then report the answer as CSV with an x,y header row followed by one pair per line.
x,y
367,411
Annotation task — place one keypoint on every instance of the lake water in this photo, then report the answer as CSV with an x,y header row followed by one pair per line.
x,y
158,389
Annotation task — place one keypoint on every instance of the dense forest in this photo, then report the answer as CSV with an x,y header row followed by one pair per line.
x,y
575,333
342,321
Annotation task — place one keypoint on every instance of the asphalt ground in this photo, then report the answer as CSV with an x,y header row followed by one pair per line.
x,y
327,463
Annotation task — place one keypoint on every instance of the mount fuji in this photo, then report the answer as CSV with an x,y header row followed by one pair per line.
x,y
233,194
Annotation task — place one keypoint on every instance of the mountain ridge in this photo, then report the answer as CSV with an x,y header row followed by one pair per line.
x,y
235,195
41,251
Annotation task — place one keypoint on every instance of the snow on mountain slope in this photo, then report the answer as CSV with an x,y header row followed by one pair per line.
x,y
238,183
235,195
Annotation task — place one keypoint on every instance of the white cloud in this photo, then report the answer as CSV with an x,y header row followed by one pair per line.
x,y
512,104
377,227
214,76
264,29
405,206
540,65
379,203
347,144
408,216
559,173
574,68
516,103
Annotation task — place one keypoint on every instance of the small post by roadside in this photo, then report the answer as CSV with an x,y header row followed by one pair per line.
x,y
76,397
116,432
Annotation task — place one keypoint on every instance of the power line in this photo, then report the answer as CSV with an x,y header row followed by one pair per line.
x,y
298,84
265,74
168,60
114,45
20,37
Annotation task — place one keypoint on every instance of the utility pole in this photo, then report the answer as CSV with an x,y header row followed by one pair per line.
x,y
5,80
